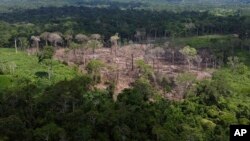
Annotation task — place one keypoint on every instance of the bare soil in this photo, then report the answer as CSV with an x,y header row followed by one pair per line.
x,y
119,65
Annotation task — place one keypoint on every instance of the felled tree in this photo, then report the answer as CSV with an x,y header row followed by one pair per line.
x,y
189,53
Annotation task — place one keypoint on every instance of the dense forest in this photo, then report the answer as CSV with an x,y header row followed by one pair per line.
x,y
117,70
109,21
166,5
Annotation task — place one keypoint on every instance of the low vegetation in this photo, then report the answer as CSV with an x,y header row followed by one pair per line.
x,y
21,69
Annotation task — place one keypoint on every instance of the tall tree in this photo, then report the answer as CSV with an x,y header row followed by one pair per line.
x,y
94,69
68,36
189,53
81,38
94,44
36,40
44,36
46,57
55,38
114,41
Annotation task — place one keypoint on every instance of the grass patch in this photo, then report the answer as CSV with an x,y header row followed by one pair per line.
x,y
5,81
201,41
21,65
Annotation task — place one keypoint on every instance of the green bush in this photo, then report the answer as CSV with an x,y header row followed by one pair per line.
x,y
242,69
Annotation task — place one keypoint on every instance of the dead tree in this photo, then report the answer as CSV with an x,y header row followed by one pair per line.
x,y
55,38
16,44
198,60
36,40
114,41
44,36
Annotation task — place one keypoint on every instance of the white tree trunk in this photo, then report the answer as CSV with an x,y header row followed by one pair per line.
x,y
16,45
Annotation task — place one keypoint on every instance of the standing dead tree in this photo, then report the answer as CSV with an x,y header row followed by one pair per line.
x,y
155,54
55,38
82,39
16,44
44,36
36,40
140,34
68,36
114,42
95,42
198,60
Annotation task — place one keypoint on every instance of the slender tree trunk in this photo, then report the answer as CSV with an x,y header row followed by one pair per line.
x,y
37,46
47,137
173,55
165,34
189,65
116,44
155,34
153,63
55,44
21,44
132,56
73,106
50,69
84,61
126,64
117,76
206,62
49,72
158,67
241,45
16,45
